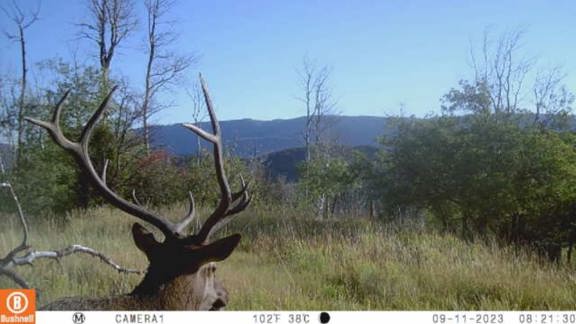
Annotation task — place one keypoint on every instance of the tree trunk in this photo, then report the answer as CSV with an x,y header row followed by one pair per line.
x,y
372,209
320,206
334,203
148,86
21,100
105,79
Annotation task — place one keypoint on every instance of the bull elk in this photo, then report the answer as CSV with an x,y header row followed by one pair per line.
x,y
181,270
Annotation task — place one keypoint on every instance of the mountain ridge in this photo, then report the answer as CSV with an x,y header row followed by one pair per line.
x,y
250,137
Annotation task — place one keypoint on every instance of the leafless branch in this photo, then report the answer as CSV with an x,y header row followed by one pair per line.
x,y
12,259
33,255
111,22
318,101
15,277
164,68
551,98
500,70
22,21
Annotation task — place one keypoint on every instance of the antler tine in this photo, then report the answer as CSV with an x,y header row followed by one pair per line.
x,y
189,217
240,206
105,170
222,213
53,127
93,121
135,198
243,203
200,132
80,151
218,155
242,191
214,138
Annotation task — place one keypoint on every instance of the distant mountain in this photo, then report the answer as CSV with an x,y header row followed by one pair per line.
x,y
248,137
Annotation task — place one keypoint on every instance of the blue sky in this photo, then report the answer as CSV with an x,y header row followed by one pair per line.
x,y
383,54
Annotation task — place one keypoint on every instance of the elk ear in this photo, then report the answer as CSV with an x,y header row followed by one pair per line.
x,y
144,239
219,250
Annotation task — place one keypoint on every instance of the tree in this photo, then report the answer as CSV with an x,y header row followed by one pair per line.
x,y
159,180
322,180
198,113
22,21
552,100
501,81
502,151
481,176
47,178
163,67
111,21
7,118
318,102
500,71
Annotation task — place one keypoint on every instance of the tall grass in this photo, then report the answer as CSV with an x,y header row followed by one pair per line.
x,y
286,262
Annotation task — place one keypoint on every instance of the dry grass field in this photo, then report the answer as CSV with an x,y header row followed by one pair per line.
x,y
289,262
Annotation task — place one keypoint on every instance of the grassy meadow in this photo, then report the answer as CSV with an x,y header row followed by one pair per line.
x,y
289,262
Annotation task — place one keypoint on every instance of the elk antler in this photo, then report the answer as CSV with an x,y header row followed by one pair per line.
x,y
80,151
229,205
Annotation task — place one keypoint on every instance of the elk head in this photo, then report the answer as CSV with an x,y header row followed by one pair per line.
x,y
181,261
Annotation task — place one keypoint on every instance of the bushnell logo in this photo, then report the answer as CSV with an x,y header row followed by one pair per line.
x,y
17,306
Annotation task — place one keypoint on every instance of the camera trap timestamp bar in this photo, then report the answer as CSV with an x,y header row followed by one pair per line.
x,y
307,317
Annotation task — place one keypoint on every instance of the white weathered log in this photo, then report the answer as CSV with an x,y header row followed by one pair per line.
x,y
31,256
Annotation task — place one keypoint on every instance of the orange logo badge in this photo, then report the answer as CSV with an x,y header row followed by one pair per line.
x,y
17,306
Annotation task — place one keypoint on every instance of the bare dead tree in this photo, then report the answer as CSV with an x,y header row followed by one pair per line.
x,y
499,68
552,100
502,74
24,254
22,21
111,21
163,67
198,112
318,102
